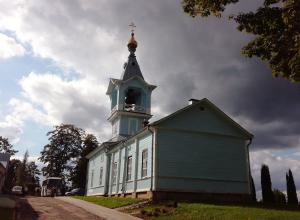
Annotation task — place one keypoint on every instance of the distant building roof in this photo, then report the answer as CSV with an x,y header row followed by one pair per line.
x,y
4,159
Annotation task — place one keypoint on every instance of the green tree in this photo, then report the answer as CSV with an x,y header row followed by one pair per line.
x,y
78,176
253,191
6,147
11,174
65,144
21,171
275,25
32,177
266,185
291,189
279,197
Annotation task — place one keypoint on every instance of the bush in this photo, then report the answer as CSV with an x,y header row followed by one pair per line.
x,y
279,197
164,211
157,210
143,212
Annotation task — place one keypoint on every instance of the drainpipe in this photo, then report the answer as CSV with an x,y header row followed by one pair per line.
x,y
249,168
152,153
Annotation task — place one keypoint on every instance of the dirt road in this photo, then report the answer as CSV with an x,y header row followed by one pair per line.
x,y
45,208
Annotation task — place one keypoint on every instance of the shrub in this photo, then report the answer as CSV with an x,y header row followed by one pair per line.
x,y
143,212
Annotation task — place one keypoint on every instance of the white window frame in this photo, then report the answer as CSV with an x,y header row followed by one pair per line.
x,y
144,167
129,168
102,157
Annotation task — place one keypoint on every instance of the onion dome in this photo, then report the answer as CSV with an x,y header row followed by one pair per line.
x,y
132,44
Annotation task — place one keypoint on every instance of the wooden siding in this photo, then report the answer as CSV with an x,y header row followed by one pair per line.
x,y
119,154
194,161
205,119
95,163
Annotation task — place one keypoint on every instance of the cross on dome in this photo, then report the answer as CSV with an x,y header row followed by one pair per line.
x,y
132,25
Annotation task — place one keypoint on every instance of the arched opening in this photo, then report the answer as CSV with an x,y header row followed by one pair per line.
x,y
134,98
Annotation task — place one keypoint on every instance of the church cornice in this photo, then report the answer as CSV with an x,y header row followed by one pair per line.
x,y
117,113
116,82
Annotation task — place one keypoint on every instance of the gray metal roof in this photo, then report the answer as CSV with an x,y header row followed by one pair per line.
x,y
131,68
4,159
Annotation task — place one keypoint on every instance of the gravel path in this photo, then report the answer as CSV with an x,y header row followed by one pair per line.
x,y
45,208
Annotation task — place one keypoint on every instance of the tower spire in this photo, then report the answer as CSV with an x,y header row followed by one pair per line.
x,y
131,68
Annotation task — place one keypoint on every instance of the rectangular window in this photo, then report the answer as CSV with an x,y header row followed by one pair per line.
x,y
102,157
101,175
129,168
144,162
92,178
114,172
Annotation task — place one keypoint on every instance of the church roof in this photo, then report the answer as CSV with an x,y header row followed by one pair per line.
x,y
131,68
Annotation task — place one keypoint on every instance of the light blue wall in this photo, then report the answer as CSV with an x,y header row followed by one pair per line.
x,y
132,148
201,151
124,124
95,163
209,120
201,162
113,98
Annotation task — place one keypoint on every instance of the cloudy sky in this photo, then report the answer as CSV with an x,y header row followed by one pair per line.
x,y
56,58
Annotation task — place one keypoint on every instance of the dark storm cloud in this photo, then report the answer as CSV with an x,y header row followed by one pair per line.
x,y
185,57
201,58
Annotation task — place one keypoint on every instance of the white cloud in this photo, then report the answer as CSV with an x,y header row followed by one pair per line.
x,y
9,47
81,101
278,166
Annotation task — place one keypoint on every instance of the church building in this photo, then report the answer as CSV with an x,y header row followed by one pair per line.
x,y
195,153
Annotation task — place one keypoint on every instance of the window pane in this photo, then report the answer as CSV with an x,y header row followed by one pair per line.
x,y
92,178
129,168
101,174
114,172
144,162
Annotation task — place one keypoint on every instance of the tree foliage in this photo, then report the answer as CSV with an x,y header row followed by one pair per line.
x,y
276,26
253,191
6,147
11,174
78,175
279,197
65,144
21,171
266,185
291,189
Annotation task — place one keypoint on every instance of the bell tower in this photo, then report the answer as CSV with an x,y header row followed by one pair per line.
x,y
130,97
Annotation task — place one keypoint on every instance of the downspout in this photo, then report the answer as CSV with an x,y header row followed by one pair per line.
x,y
249,168
152,153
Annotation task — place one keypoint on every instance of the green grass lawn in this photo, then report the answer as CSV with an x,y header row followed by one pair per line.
x,y
199,211
109,202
